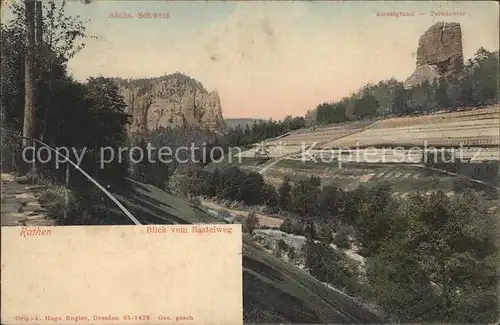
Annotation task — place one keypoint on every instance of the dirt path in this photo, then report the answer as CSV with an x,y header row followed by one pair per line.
x,y
20,207
263,219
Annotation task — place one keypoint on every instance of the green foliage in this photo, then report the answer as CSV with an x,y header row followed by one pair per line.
x,y
251,222
330,266
481,74
442,97
341,239
331,113
305,201
423,97
287,225
441,264
282,245
270,198
229,183
291,226
478,86
331,204
366,106
292,255
241,136
65,109
252,188
372,214
285,192
325,235
427,258
315,181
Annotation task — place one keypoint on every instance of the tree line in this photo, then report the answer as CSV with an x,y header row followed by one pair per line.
x,y
428,257
477,86
42,100
240,136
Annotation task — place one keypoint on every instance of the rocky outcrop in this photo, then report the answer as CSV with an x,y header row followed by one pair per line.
x,y
439,54
170,101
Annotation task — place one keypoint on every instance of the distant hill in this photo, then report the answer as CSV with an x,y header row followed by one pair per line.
x,y
233,122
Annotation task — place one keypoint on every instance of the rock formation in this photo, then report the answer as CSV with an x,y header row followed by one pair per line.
x,y
170,101
439,54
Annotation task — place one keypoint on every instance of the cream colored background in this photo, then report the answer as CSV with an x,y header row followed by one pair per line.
x,y
122,270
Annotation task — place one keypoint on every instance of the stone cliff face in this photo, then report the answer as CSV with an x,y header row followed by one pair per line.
x,y
439,54
170,101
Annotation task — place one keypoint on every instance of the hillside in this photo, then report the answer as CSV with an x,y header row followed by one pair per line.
x,y
471,129
397,151
274,291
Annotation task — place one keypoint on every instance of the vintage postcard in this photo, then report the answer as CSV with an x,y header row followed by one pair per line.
x,y
256,162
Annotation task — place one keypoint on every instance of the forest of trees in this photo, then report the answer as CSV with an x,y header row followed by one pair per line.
x,y
428,258
477,87
241,136
66,113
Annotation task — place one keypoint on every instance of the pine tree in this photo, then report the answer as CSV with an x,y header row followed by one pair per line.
x,y
285,194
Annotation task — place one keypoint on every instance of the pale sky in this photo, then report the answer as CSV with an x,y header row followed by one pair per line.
x,y
271,59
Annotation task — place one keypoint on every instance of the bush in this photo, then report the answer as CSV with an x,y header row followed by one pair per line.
x,y
53,200
258,238
291,226
291,254
282,245
287,226
195,201
76,210
325,235
341,240
251,222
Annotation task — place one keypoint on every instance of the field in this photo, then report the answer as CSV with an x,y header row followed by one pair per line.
x,y
403,178
470,128
401,153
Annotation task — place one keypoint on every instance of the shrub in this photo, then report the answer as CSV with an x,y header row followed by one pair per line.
x,y
341,240
287,226
325,235
291,254
251,222
282,245
195,201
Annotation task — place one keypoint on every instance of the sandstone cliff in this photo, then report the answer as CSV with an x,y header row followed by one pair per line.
x,y
439,54
170,101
